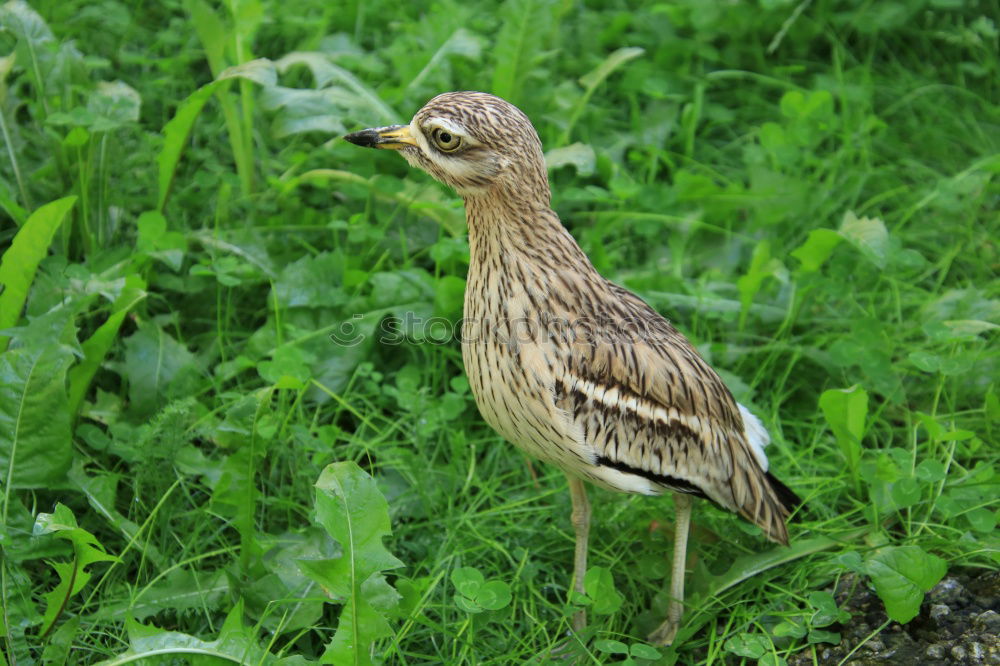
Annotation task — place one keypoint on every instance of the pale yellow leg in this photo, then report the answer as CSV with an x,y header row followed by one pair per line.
x,y
665,633
581,524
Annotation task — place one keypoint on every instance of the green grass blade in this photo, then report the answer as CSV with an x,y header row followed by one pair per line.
x,y
20,261
594,78
177,131
211,31
96,347
754,564
175,136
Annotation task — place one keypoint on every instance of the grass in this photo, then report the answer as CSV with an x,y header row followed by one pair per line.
x,y
809,191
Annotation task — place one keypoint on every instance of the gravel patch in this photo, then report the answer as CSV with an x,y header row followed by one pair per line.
x,y
959,623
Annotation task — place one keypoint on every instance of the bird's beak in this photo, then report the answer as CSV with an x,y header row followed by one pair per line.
x,y
393,137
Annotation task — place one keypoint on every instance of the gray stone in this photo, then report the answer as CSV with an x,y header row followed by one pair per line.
x,y
939,611
948,590
935,651
875,645
987,621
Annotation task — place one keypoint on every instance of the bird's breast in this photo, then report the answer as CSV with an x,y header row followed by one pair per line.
x,y
511,362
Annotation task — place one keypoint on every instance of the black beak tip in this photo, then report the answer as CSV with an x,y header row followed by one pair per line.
x,y
366,138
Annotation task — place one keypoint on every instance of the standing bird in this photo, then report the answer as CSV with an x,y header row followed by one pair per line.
x,y
568,366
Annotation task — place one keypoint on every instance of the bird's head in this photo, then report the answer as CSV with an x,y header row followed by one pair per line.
x,y
474,142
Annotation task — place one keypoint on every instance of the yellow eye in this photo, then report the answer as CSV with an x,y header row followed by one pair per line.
x,y
445,140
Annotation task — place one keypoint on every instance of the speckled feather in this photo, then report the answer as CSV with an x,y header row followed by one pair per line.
x,y
568,366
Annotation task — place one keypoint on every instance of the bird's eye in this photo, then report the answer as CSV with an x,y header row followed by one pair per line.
x,y
445,140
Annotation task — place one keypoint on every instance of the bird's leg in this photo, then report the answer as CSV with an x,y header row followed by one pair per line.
x,y
581,524
665,633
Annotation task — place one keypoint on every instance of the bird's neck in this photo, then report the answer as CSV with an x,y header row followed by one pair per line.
x,y
529,231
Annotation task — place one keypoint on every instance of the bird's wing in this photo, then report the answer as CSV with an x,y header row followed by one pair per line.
x,y
648,405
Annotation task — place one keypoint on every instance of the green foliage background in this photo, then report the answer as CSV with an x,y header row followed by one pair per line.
x,y
197,274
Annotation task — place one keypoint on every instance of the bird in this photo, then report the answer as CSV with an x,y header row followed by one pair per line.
x,y
566,365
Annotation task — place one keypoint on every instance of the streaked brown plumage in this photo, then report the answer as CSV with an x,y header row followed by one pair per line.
x,y
569,367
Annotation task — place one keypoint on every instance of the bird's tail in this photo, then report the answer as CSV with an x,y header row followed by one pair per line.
x,y
767,503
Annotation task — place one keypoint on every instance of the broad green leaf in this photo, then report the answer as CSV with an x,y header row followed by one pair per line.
x,y
181,590
474,594
35,444
935,430
600,587
351,93
25,23
467,604
821,636
790,627
288,367
236,644
351,508
925,361
20,261
991,405
157,368
580,155
358,626
311,282
868,235
96,347
845,411
901,575
982,520
813,104
827,611
302,110
640,651
969,328
467,580
155,241
611,646
114,104
111,106
781,146
60,642
930,471
817,249
34,46
73,575
353,511
748,645
905,493
494,595
260,71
